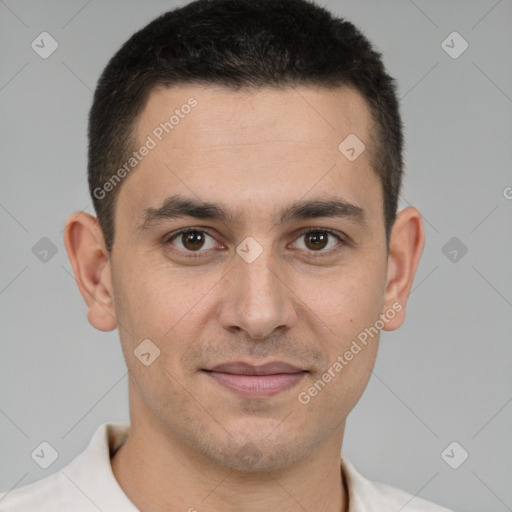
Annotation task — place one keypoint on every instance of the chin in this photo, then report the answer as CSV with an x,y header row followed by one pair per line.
x,y
259,455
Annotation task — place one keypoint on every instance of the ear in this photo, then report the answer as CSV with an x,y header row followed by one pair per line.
x,y
89,258
405,248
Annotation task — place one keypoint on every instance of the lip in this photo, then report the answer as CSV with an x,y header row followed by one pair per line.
x,y
256,381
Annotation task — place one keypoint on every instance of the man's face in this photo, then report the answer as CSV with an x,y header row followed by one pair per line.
x,y
285,296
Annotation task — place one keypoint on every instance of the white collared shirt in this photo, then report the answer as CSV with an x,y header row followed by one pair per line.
x,y
87,484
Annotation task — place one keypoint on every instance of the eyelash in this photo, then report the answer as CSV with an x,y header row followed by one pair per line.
x,y
312,254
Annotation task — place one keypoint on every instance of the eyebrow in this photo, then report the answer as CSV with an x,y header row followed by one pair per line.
x,y
177,206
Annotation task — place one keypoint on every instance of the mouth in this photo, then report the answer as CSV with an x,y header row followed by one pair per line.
x,y
260,381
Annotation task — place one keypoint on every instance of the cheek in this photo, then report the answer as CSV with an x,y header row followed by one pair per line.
x,y
149,293
346,300
343,308
350,353
166,305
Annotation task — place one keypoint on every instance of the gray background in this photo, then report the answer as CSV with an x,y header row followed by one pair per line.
x,y
444,376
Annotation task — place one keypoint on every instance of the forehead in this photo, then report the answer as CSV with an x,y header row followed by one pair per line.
x,y
265,147
311,115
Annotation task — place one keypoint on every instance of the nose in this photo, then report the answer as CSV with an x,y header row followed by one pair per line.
x,y
257,298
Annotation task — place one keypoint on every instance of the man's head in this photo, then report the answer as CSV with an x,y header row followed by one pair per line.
x,y
240,44
284,258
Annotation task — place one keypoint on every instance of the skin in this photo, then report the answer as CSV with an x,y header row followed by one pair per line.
x,y
254,152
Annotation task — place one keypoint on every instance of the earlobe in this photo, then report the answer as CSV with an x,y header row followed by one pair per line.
x,y
405,248
89,259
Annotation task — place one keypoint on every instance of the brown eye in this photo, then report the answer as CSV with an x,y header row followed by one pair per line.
x,y
316,240
192,240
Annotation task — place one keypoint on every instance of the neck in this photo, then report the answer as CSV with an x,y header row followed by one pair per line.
x,y
158,473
